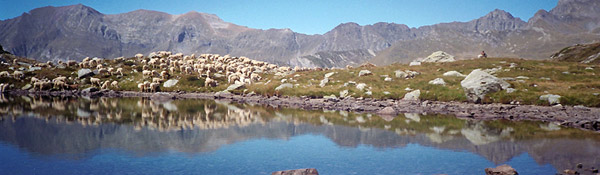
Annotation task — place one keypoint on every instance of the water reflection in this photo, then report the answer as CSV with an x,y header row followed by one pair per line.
x,y
76,126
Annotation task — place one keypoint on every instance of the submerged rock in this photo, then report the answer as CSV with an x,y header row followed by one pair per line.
x,y
501,170
479,83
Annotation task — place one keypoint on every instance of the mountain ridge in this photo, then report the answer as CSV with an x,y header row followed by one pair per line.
x,y
78,31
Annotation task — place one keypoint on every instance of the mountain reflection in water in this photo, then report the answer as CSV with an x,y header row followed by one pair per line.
x,y
74,127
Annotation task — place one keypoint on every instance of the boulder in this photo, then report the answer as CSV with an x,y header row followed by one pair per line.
x,y
285,85
501,170
84,73
364,73
89,90
414,95
439,57
170,83
406,74
308,171
235,86
479,83
453,74
438,81
551,99
387,79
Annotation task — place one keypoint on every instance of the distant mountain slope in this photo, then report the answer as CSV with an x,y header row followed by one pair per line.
x,y
77,31
502,35
583,53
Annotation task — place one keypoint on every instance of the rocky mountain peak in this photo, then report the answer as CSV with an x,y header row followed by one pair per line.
x,y
577,8
498,20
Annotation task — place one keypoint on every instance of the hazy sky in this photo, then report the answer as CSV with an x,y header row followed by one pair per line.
x,y
306,16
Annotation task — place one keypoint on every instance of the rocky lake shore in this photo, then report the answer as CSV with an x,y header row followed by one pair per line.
x,y
578,117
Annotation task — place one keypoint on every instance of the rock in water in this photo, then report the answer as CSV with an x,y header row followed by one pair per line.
x,y
439,57
84,73
308,171
364,73
285,85
414,95
501,170
479,83
170,83
438,81
551,98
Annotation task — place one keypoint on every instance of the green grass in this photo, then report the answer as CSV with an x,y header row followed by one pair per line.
x,y
576,88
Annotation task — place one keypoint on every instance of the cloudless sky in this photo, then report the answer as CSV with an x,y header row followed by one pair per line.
x,y
306,16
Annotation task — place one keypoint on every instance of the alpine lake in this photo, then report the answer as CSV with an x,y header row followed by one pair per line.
x,y
68,135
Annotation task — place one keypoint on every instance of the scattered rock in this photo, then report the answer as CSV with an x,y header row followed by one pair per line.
x,y
170,83
453,74
361,86
386,93
570,172
162,97
589,68
327,75
31,69
566,72
308,171
501,170
438,81
364,73
84,73
285,85
369,93
331,98
387,79
406,74
387,111
324,82
479,83
414,63
26,87
513,65
89,90
510,90
551,98
235,86
343,94
545,78
439,57
522,77
414,95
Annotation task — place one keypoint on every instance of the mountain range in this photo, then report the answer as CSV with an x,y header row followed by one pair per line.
x,y
77,31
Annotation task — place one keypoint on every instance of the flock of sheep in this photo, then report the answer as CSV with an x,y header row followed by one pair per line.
x,y
157,67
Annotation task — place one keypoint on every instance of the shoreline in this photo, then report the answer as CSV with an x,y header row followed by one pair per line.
x,y
577,117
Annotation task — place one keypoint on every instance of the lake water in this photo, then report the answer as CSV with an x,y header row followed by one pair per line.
x,y
139,136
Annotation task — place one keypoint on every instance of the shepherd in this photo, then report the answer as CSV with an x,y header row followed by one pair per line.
x,y
482,55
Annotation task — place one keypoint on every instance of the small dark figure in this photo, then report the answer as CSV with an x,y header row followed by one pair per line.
x,y
482,55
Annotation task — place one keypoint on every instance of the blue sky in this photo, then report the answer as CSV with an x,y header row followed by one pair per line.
x,y
306,16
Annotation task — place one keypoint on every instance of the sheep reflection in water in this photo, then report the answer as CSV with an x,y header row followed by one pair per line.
x,y
139,112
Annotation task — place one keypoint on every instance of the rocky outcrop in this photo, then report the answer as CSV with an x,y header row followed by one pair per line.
x,y
479,83
439,57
